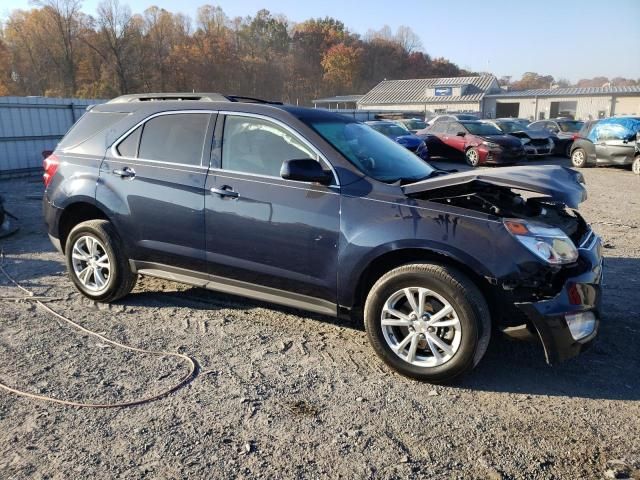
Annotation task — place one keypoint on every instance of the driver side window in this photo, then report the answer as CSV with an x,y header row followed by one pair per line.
x,y
257,146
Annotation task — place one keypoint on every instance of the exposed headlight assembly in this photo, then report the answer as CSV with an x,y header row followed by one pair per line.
x,y
524,141
552,144
548,243
491,144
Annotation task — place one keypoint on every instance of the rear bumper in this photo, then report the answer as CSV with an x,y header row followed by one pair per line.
x,y
51,216
580,294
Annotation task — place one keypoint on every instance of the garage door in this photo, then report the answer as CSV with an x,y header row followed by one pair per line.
x,y
627,106
507,110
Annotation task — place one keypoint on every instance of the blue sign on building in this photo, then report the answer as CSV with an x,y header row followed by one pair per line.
x,y
443,91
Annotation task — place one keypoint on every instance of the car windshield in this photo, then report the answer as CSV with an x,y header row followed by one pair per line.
x,y
390,129
570,127
372,153
510,127
477,128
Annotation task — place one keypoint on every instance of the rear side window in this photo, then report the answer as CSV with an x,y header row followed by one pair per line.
x,y
89,125
177,138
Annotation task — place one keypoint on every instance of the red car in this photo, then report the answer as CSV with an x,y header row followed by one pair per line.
x,y
479,143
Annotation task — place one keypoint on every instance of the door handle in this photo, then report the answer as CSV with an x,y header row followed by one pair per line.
x,y
225,191
126,172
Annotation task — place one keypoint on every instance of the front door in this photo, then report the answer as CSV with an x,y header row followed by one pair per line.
x,y
153,181
262,230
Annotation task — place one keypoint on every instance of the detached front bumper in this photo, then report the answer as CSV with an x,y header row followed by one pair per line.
x,y
504,155
578,302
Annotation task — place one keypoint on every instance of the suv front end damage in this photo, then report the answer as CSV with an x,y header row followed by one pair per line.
x,y
555,292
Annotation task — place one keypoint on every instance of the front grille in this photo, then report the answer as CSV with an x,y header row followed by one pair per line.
x,y
539,142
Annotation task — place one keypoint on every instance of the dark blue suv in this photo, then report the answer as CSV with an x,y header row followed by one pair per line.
x,y
316,211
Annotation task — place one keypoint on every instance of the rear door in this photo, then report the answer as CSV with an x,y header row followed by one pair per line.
x,y
153,181
262,230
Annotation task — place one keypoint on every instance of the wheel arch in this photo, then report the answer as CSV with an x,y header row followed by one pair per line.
x,y
75,213
389,260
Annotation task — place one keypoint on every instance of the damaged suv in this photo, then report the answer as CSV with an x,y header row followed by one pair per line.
x,y
313,210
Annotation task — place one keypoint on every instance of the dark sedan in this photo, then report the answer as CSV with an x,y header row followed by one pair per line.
x,y
565,130
536,143
402,136
478,142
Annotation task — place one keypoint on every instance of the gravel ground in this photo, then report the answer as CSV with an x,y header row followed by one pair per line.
x,y
285,394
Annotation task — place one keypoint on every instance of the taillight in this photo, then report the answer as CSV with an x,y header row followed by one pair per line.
x,y
50,165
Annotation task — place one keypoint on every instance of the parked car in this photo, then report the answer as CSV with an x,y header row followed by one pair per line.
x,y
564,131
610,141
314,210
536,143
412,124
478,142
450,117
401,135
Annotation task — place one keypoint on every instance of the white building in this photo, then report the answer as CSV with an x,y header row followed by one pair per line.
x,y
430,95
579,103
482,95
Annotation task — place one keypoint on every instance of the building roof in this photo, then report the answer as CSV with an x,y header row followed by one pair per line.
x,y
339,99
415,90
568,92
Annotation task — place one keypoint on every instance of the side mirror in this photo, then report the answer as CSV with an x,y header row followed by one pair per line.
x,y
305,170
461,134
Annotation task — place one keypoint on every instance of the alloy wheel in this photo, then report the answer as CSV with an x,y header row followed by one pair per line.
x,y
473,157
635,167
421,327
578,158
91,264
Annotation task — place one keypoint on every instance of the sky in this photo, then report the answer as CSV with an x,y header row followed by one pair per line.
x,y
569,39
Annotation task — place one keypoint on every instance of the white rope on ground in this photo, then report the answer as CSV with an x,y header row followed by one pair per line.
x,y
31,297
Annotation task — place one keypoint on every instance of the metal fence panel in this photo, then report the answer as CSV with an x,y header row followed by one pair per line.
x,y
29,125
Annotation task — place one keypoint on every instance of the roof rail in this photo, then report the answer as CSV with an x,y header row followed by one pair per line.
x,y
197,97
156,97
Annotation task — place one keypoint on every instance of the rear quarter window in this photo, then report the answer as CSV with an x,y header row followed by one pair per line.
x,y
89,125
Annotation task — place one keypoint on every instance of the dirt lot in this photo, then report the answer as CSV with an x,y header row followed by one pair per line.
x,y
285,394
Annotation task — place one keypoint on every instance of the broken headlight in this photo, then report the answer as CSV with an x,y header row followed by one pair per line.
x,y
524,141
490,144
548,243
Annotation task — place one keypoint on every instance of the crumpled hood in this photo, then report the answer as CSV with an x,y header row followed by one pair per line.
x,y
560,183
533,134
502,140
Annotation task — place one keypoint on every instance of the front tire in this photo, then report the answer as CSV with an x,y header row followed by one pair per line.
x,y
427,321
472,156
579,158
635,166
96,262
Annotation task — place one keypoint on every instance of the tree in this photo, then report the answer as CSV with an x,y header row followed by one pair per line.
x,y
532,80
340,64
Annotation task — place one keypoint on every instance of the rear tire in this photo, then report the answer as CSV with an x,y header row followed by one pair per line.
x,y
635,166
453,344
579,158
96,262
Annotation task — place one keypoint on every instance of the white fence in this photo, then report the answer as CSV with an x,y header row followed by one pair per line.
x,y
30,125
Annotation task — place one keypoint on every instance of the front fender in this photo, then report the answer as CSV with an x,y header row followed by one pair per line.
x,y
466,239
